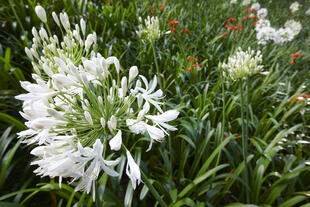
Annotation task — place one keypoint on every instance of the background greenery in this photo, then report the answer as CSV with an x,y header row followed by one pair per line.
x,y
194,166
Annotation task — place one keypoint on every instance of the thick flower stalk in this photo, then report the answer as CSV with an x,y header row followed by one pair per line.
x,y
82,104
243,64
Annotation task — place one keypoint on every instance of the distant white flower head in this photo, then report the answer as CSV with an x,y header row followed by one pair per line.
x,y
262,13
243,64
308,12
233,1
255,6
150,30
283,35
294,7
294,26
261,24
265,34
246,2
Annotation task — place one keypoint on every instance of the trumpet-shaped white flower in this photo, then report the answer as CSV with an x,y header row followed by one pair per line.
x,y
116,142
133,170
243,64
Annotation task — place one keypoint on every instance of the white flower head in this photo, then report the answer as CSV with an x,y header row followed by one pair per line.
x,y
262,13
294,26
150,30
243,64
294,7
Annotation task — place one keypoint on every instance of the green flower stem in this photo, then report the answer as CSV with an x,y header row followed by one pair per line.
x,y
244,142
153,190
156,64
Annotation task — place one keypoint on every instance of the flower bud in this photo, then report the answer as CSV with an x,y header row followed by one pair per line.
x,y
64,19
140,99
88,118
83,26
100,100
133,72
112,123
56,19
102,122
124,85
28,52
41,13
116,142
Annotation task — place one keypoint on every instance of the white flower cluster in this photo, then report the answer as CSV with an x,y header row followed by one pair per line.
x,y
294,7
243,64
81,105
265,33
150,31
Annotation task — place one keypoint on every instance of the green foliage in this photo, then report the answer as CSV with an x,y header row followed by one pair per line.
x,y
201,164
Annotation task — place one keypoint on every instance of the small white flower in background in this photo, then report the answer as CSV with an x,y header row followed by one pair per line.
x,y
243,64
246,2
308,12
255,6
294,26
262,13
294,7
233,1
150,30
76,108
41,13
283,35
265,34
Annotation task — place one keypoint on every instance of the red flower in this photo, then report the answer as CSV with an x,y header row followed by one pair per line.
x,y
200,65
225,33
154,10
190,59
252,9
173,30
255,23
173,22
254,17
184,69
244,18
189,69
296,54
162,7
196,59
194,65
240,26
231,20
247,9
292,61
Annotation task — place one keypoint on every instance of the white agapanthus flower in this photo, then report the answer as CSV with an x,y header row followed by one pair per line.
x,y
294,7
262,13
283,35
261,24
294,26
233,1
150,30
265,34
246,2
255,6
79,107
243,64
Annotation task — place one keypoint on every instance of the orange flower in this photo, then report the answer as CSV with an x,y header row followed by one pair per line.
x,y
173,30
200,65
190,59
244,18
225,33
252,9
247,9
255,23
187,30
162,7
231,20
182,31
173,22
292,61
194,65
189,69
196,59
296,54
